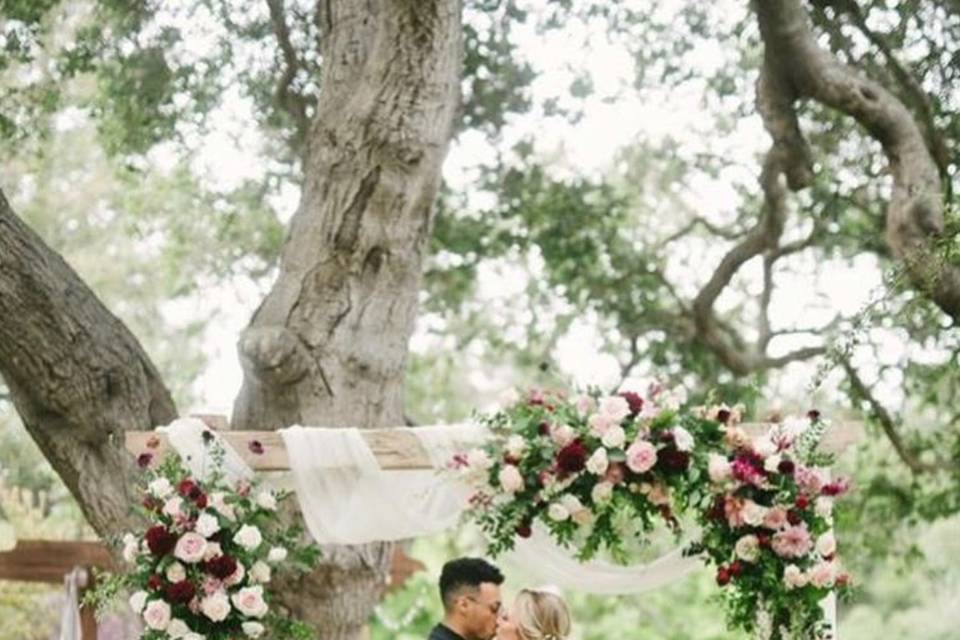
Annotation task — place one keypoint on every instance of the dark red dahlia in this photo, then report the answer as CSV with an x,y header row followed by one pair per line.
x,y
201,501
802,502
793,517
634,401
763,539
572,458
672,460
736,568
182,591
786,467
835,488
144,460
160,541
221,567
186,486
543,428
723,416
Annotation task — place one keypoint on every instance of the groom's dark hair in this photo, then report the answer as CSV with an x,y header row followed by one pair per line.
x,y
465,572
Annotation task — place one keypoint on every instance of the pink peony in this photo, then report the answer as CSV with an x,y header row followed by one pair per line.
x,y
641,456
599,423
792,542
810,480
823,574
776,518
744,470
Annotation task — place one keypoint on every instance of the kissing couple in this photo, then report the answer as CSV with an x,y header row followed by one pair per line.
x,y
474,610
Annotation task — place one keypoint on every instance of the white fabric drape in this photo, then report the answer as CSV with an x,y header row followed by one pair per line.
x,y
346,498
544,560
70,626
185,435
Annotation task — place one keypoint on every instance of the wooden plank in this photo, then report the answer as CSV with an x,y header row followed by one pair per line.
x,y
399,448
50,560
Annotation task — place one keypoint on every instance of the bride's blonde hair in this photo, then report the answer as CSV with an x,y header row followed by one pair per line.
x,y
542,615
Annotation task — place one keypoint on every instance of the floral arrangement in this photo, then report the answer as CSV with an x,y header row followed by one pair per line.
x,y
600,472
201,567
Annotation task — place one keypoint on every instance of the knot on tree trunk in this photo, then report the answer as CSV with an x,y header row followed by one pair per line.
x,y
274,355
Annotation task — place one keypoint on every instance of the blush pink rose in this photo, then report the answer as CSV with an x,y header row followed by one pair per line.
x,y
641,456
775,518
510,479
190,547
823,574
249,601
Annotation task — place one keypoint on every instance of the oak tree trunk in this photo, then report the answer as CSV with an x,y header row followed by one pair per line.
x,y
328,345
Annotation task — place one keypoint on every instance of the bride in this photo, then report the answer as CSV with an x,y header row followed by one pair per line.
x,y
535,615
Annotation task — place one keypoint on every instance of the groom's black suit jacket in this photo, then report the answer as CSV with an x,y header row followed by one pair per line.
x,y
441,632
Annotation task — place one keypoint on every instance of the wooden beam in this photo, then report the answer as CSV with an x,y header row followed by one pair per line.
x,y
50,560
398,448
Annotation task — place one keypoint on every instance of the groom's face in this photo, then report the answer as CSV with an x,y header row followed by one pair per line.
x,y
481,609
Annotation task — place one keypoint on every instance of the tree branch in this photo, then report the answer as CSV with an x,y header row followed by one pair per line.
x,y
860,391
795,67
76,375
289,100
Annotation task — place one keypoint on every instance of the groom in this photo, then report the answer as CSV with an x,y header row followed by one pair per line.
x,y
470,590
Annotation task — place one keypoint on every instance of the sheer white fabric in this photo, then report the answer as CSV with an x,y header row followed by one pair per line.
x,y
70,625
543,560
185,435
346,498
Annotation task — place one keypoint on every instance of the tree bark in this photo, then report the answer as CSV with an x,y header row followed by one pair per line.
x,y
796,67
76,375
328,346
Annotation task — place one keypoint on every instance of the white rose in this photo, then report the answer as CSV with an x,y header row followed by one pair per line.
x,y
772,463
683,439
213,550
175,572
260,572
823,506
718,468
130,548
190,548
510,478
249,601
598,463
515,447
207,525
248,537
827,544
614,438
616,407
173,507
138,601
793,577
218,502
216,606
478,459
571,503
558,512
753,513
748,548
601,492
157,615
253,629
266,500
563,435
177,628
277,554
160,488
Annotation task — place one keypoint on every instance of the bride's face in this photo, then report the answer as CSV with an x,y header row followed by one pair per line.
x,y
506,627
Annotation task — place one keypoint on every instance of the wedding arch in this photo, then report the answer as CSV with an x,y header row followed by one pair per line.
x,y
363,485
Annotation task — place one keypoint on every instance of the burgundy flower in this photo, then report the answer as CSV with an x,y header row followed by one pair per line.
x,y
182,591
802,503
786,467
835,488
543,428
634,401
524,530
813,414
185,487
717,511
723,576
793,517
666,437
154,582
736,568
144,460
160,541
152,504
723,416
672,460
255,447
221,567
572,458
201,501
763,539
